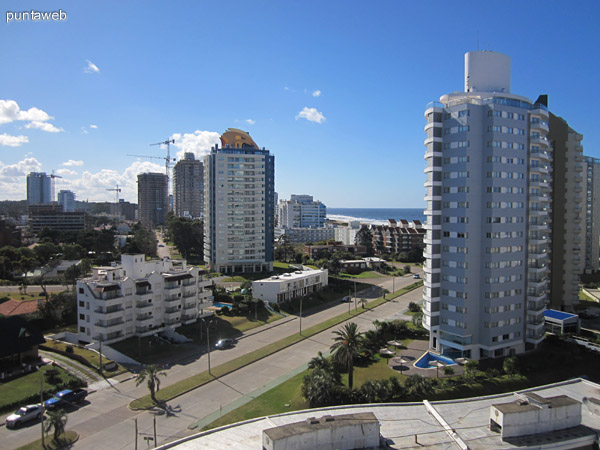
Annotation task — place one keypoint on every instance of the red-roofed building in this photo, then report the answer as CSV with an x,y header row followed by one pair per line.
x,y
18,308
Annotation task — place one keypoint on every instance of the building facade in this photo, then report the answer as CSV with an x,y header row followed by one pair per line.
x,y
238,205
53,217
398,237
39,188
188,188
568,214
305,235
301,211
140,298
288,286
67,200
488,224
591,191
153,198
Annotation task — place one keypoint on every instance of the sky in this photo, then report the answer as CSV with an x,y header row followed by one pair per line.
x,y
336,90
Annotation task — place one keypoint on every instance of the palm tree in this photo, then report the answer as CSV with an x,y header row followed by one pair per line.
x,y
348,345
326,365
57,420
150,374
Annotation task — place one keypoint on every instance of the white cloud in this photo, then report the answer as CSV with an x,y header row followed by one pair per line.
x,y
311,114
250,121
12,141
91,67
72,162
66,172
12,178
93,126
316,93
199,142
10,112
44,126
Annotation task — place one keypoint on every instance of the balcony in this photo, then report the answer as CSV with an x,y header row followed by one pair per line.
x,y
173,321
172,298
536,305
143,305
110,326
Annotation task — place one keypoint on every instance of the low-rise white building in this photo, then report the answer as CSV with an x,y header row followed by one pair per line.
x,y
140,298
288,286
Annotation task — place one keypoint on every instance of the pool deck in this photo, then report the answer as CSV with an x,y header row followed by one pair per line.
x,y
414,351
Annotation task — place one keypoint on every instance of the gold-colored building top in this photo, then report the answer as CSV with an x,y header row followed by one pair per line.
x,y
234,138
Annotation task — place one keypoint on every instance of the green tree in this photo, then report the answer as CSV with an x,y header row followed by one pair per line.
x,y
364,237
323,363
348,345
417,319
56,420
186,234
448,371
73,251
511,365
470,369
46,251
150,374
318,388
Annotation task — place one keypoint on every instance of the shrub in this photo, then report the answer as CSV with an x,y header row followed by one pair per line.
x,y
70,349
413,307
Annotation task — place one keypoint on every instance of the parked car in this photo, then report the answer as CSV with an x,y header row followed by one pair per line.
x,y
416,276
24,414
224,343
65,398
346,299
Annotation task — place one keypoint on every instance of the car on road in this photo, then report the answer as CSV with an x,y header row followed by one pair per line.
x,y
346,299
24,414
416,276
222,344
161,245
65,398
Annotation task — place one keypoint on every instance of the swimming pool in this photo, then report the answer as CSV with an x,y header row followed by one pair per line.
x,y
424,362
221,305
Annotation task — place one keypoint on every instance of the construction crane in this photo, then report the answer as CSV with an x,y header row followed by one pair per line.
x,y
52,187
117,189
168,143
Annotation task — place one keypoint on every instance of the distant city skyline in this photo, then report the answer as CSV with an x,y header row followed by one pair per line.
x,y
335,91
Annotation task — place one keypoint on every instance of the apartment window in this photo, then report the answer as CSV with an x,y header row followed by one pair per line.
x,y
495,128
463,128
463,113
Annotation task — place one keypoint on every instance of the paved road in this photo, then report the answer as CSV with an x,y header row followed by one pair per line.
x,y
107,422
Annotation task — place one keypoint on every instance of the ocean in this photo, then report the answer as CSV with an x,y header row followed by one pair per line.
x,y
375,215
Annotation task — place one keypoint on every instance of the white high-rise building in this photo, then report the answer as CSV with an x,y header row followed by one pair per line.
x,y
301,211
238,205
488,195
591,192
140,298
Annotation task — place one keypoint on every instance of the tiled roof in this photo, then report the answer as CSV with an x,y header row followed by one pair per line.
x,y
15,307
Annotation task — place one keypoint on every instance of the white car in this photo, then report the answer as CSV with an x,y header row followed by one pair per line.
x,y
24,414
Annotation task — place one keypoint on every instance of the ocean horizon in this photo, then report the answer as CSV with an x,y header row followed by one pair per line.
x,y
375,216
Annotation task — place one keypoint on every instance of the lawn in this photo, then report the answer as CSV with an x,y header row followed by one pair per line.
x,y
284,398
92,357
236,279
365,274
23,388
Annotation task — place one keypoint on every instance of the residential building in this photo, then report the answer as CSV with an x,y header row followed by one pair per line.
x,y
398,237
488,194
305,235
39,188
188,188
591,191
288,286
126,210
316,251
67,200
301,211
346,234
53,217
153,198
140,298
567,235
238,205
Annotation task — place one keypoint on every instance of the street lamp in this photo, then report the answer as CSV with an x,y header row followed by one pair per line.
x,y
301,298
208,340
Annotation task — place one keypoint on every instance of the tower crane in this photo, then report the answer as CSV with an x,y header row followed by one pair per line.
x,y
168,143
52,187
117,189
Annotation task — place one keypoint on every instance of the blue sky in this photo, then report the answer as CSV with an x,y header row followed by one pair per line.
x,y
336,90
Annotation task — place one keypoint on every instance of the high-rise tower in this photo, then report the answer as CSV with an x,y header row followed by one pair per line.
x,y
39,188
488,186
238,205
188,187
153,198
